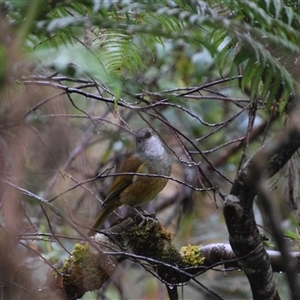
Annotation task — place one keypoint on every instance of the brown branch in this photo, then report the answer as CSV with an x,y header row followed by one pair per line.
x,y
149,244
238,212
220,253
87,269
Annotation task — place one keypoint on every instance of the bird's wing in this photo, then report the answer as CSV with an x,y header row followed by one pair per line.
x,y
132,164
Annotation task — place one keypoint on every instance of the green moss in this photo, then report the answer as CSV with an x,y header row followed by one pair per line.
x,y
154,241
82,271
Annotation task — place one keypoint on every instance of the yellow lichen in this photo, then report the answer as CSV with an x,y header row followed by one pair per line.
x,y
192,255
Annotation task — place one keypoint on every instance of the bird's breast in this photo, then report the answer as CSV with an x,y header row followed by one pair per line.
x,y
144,188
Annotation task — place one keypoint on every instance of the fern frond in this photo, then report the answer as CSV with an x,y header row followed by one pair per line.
x,y
170,23
118,51
256,80
241,56
249,72
267,77
284,99
273,91
223,55
256,35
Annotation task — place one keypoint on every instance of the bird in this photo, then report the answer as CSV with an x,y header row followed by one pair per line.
x,y
150,157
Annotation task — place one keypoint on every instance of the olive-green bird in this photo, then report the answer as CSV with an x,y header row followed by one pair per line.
x,y
150,157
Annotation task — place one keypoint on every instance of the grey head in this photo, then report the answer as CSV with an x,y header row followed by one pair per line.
x,y
149,147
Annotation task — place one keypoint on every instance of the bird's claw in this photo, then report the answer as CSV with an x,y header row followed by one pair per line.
x,y
146,218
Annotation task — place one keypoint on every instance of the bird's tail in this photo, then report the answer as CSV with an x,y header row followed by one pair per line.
x,y
106,209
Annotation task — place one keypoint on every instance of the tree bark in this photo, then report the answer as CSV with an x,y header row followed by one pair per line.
x,y
244,237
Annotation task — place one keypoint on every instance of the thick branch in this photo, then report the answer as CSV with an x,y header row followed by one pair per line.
x,y
148,244
222,253
238,212
85,270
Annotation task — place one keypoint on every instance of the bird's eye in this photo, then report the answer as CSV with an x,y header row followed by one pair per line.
x,y
148,134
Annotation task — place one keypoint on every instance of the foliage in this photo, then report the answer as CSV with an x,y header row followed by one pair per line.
x,y
122,32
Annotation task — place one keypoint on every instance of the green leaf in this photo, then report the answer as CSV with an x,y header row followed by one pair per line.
x,y
284,99
273,91
256,80
249,72
267,80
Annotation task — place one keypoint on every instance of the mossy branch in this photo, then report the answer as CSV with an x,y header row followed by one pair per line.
x,y
148,241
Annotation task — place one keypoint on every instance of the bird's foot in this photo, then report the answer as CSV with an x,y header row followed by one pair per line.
x,y
145,216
